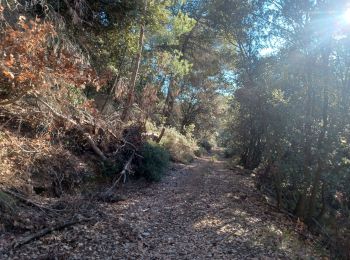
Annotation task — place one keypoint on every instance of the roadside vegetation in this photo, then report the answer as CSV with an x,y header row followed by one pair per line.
x,y
94,94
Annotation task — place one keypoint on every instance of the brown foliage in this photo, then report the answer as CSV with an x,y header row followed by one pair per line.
x,y
28,63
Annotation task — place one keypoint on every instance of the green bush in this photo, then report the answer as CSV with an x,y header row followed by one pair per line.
x,y
154,163
75,95
201,152
206,145
7,203
180,147
230,152
109,169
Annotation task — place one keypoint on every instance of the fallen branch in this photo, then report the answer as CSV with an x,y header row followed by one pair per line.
x,y
80,129
122,174
322,229
46,231
159,138
28,201
152,136
23,92
118,139
4,124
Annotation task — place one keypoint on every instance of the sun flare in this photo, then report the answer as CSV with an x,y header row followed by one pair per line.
x,y
347,16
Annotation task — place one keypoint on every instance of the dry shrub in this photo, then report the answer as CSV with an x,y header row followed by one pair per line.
x,y
39,82
27,62
148,99
181,148
36,165
7,211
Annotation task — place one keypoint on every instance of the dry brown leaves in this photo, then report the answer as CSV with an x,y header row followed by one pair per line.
x,y
28,61
203,211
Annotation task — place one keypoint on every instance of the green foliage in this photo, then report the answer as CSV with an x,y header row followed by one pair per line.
x,y
7,203
75,95
290,114
189,130
203,112
182,24
110,169
206,145
154,163
181,148
173,63
167,28
201,152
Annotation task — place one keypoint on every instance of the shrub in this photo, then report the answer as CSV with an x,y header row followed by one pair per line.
x,y
34,66
154,163
109,169
230,152
180,147
6,202
201,152
206,145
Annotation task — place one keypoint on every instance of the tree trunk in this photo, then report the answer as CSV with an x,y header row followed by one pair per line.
x,y
112,91
300,207
110,96
167,109
320,164
320,144
324,203
131,94
160,135
278,185
169,103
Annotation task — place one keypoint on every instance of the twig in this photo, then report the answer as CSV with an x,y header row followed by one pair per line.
x,y
122,174
322,229
159,138
4,124
132,145
27,201
80,129
125,142
27,151
46,231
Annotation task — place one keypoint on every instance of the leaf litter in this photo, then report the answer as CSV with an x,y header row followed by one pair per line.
x,y
201,211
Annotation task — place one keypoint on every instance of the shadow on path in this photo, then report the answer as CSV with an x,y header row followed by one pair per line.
x,y
200,211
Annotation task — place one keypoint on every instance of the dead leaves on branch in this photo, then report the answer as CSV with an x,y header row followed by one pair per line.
x,y
28,62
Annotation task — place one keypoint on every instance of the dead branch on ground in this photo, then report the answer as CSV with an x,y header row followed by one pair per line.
x,y
48,230
28,201
79,128
122,174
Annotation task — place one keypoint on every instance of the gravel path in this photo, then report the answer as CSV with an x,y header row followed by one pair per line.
x,y
200,211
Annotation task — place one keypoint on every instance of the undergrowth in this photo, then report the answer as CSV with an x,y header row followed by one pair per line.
x,y
154,162
182,148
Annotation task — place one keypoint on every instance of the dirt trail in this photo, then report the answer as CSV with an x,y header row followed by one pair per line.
x,y
201,211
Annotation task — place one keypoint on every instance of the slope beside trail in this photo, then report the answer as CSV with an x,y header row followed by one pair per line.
x,y
200,211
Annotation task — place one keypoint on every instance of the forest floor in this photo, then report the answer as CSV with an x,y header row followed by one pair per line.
x,y
201,211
